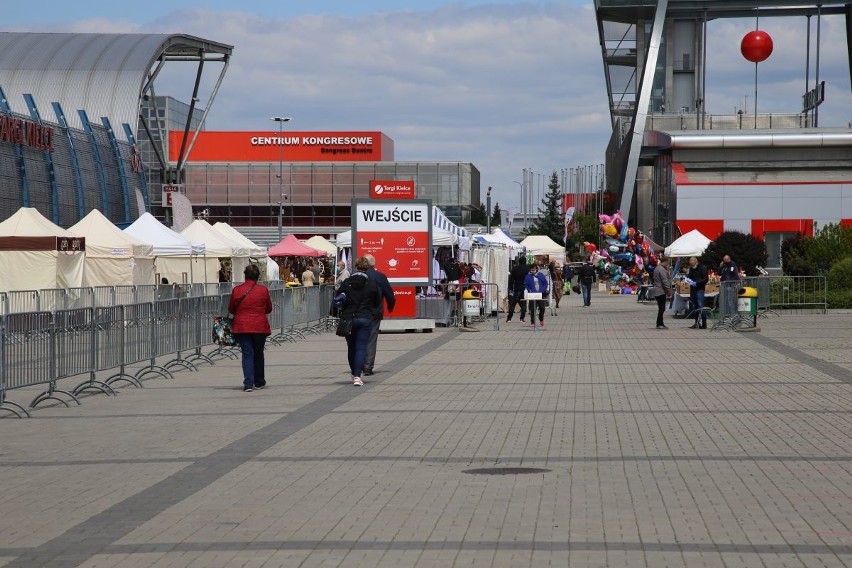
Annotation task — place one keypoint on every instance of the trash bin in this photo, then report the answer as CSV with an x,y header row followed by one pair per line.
x,y
470,303
747,302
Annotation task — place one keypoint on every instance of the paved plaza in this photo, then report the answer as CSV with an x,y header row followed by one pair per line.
x,y
597,442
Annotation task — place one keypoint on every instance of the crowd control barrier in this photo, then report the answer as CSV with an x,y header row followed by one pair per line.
x,y
87,333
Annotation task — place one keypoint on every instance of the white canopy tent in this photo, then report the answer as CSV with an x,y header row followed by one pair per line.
x,y
692,243
217,244
178,259
113,257
542,244
256,253
33,256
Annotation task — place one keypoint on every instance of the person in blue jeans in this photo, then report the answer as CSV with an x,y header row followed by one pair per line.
x,y
250,303
697,274
587,275
359,296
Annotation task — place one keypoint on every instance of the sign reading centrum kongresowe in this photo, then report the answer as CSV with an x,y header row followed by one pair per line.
x,y
398,234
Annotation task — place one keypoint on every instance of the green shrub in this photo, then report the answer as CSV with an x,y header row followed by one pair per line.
x,y
839,277
838,299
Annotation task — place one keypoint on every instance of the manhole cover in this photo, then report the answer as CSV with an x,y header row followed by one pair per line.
x,y
505,470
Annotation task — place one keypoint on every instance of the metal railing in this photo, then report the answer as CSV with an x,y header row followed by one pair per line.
x,y
41,347
773,293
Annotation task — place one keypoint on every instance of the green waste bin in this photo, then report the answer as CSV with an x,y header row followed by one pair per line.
x,y
747,302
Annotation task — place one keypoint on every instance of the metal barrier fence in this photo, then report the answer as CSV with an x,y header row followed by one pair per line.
x,y
797,292
87,332
40,347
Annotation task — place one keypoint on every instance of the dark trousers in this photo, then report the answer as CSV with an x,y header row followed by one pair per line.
x,y
251,344
372,343
536,305
696,298
516,297
661,307
356,344
587,293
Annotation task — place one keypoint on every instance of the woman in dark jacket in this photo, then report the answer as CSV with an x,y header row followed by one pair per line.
x,y
361,297
250,302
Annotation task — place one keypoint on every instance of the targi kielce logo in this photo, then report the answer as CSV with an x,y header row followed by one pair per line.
x,y
391,189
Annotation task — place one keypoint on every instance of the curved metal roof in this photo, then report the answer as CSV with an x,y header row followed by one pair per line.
x,y
103,74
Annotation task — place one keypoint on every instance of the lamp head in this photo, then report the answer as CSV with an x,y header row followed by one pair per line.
x,y
280,118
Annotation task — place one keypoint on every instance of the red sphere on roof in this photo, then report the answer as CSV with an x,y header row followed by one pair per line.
x,y
756,46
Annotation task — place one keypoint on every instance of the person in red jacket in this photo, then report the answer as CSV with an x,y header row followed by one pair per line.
x,y
250,302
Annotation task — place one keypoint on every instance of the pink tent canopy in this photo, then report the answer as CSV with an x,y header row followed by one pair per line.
x,y
291,246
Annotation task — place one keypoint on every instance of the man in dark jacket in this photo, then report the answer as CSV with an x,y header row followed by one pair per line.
x,y
360,295
516,288
729,272
386,292
697,275
586,275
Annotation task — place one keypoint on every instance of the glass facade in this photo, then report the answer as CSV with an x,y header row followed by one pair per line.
x,y
247,194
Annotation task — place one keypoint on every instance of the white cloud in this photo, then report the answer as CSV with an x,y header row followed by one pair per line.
x,y
503,86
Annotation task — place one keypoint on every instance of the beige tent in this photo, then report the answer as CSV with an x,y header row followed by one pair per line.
x,y
113,257
36,254
256,254
321,243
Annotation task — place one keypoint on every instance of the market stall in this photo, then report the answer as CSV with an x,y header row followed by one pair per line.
x,y
113,257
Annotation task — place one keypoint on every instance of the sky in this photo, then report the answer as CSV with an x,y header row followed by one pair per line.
x,y
506,85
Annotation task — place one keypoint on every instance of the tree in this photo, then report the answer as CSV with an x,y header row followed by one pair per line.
x,y
828,245
794,257
584,227
496,216
747,251
478,216
550,221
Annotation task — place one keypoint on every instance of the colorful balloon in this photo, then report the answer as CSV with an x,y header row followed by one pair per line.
x,y
609,229
590,247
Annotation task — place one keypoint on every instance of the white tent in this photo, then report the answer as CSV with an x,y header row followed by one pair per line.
x,y
113,257
497,236
178,259
692,243
236,236
321,243
255,252
215,242
36,254
542,244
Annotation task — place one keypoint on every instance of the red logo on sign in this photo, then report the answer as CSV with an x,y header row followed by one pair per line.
x,y
384,189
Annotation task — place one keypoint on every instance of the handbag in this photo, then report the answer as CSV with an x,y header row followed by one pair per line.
x,y
344,327
223,334
566,288
223,326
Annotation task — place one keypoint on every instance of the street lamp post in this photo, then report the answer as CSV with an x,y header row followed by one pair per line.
x,y
488,210
281,120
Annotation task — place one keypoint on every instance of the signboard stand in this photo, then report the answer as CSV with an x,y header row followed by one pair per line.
x,y
398,233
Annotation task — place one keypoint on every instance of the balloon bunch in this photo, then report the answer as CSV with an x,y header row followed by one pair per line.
x,y
627,253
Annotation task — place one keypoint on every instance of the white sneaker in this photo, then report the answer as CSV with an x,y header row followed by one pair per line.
x,y
357,382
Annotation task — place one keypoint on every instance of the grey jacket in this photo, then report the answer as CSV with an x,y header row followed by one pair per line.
x,y
661,282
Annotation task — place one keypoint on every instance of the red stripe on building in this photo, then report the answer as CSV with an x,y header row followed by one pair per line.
x,y
759,227
710,228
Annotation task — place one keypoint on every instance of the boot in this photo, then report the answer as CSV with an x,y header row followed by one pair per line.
x,y
695,325
703,325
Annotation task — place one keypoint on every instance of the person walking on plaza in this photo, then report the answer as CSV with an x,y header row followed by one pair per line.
x,y
729,272
250,303
516,289
360,295
697,275
536,282
385,292
587,276
661,289
558,283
